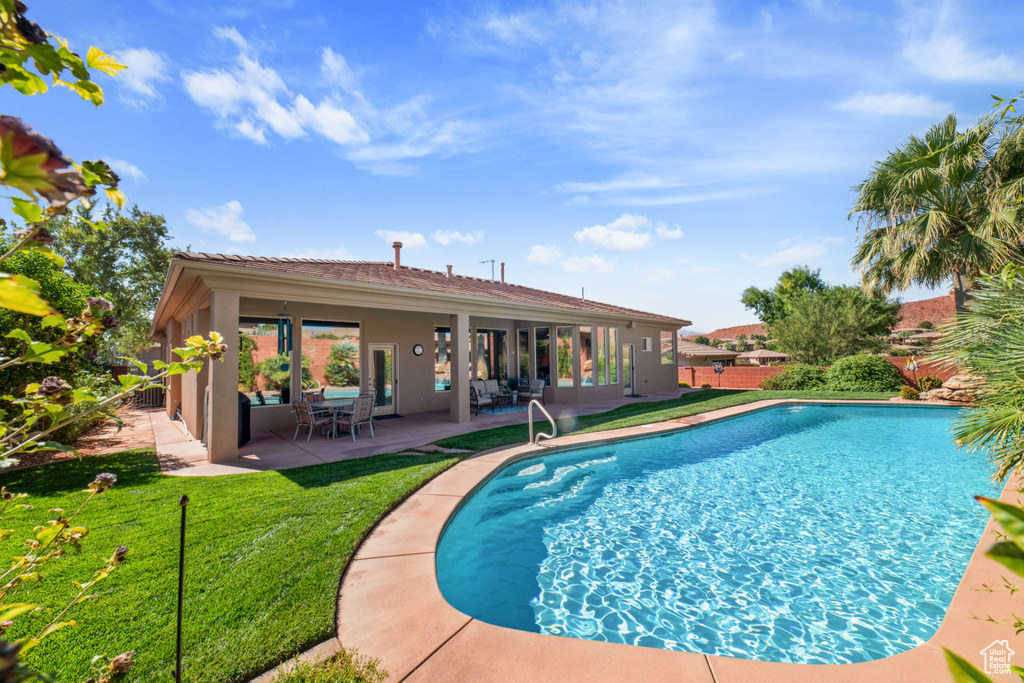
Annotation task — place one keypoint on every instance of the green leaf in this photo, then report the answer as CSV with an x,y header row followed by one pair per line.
x,y
139,365
84,395
72,61
55,321
1010,517
1009,555
28,210
21,294
19,334
88,91
26,173
159,365
23,80
963,671
39,352
15,610
54,446
129,381
46,58
97,59
49,533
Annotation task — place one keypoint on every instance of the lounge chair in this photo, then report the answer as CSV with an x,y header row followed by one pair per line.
x,y
535,390
476,399
361,414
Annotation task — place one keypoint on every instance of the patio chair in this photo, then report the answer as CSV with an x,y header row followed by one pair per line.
x,y
535,390
310,420
361,414
476,399
314,397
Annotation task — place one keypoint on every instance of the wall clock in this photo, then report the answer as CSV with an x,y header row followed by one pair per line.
x,y
418,349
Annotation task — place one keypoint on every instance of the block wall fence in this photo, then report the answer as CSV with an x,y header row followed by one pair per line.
x,y
749,376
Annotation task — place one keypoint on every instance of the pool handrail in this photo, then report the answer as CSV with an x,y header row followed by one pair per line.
x,y
529,420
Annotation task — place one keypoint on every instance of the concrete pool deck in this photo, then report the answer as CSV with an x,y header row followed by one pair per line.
x,y
390,607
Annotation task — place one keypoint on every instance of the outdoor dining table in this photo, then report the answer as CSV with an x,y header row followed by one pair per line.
x,y
337,406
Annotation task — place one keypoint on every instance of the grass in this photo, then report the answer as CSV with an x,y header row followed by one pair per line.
x,y
265,552
633,414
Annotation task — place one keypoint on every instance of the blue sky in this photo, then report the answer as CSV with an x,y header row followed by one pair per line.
x,y
661,155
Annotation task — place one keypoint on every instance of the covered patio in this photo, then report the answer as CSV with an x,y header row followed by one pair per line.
x,y
274,449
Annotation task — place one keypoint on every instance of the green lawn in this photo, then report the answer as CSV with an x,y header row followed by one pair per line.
x,y
633,414
264,555
265,550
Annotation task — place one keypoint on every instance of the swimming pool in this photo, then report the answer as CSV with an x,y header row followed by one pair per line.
x,y
811,534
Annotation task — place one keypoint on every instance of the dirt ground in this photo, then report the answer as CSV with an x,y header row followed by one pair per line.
x,y
102,439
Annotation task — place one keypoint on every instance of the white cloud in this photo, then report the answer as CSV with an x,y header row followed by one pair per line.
x,y
797,255
709,289
225,219
592,265
667,233
947,57
144,68
542,255
448,236
703,270
622,235
897,104
254,101
409,240
125,168
659,274
514,28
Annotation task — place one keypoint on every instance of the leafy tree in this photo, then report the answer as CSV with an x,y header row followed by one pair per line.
x,y
741,342
835,322
702,339
127,263
772,305
942,206
759,341
926,324
716,342
276,378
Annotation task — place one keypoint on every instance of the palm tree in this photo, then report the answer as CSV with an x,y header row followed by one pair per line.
x,y
938,207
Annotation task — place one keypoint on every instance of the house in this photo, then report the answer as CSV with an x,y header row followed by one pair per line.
x,y
763,357
400,333
692,354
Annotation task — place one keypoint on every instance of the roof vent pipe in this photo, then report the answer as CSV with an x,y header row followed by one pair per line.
x,y
449,272
503,272
398,255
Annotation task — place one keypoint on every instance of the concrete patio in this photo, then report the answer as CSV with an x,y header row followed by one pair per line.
x,y
274,450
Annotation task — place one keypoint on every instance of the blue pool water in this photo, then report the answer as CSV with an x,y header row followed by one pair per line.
x,y
813,534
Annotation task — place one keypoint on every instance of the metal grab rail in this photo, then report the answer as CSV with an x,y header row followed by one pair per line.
x,y
529,420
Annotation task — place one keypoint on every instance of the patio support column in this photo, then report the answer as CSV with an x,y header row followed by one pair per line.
x,y
222,441
174,341
459,361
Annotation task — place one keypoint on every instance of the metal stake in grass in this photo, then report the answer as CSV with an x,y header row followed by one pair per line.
x,y
183,502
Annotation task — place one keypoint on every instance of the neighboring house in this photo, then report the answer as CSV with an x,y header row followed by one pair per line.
x,y
394,331
763,357
692,354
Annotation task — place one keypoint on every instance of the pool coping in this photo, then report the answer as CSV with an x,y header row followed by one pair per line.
x,y
391,608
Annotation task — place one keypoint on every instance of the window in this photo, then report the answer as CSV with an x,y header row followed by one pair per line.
x,y
668,348
565,356
602,358
647,343
330,355
543,354
264,360
523,349
613,354
492,354
586,357
442,359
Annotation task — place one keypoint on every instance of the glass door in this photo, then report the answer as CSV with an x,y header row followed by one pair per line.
x,y
383,378
627,369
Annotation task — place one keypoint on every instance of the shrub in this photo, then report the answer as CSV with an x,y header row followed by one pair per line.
x,y
346,667
929,382
909,393
796,378
926,325
706,385
341,367
684,385
863,373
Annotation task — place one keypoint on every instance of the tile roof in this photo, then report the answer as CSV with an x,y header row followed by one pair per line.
x,y
384,273
689,348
